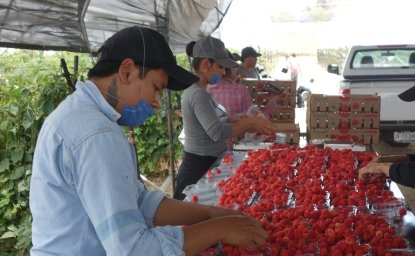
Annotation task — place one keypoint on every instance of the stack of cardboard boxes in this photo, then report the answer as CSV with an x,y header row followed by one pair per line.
x,y
352,117
284,115
285,112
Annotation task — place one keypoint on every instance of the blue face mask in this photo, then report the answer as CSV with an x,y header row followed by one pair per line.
x,y
214,79
133,116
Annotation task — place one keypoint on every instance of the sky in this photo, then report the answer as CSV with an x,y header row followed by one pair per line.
x,y
355,22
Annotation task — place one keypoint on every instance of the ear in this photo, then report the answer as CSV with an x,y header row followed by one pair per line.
x,y
206,64
125,69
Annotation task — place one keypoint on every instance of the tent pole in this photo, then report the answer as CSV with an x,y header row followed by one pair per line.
x,y
66,74
75,68
163,27
171,141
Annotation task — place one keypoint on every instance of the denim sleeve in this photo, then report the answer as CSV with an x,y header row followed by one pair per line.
x,y
119,207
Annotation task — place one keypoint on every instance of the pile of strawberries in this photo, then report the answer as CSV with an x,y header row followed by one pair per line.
x,y
310,201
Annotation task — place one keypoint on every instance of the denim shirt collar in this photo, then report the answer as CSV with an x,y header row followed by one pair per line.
x,y
88,88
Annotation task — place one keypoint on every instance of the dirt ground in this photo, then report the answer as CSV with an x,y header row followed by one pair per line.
x,y
159,180
158,176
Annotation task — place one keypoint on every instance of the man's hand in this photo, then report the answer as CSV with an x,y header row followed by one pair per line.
x,y
374,170
376,160
237,230
216,212
243,231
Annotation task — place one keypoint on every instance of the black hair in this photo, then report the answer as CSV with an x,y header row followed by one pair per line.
x,y
233,56
189,48
195,61
105,68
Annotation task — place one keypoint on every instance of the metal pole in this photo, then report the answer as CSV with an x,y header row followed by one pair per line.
x,y
172,170
75,68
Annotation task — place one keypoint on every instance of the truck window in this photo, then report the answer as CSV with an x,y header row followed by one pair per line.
x,y
384,58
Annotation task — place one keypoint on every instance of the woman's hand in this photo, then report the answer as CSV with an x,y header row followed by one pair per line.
x,y
263,126
237,79
237,117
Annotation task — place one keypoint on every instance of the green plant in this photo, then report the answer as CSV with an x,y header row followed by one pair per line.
x,y
153,141
332,56
30,88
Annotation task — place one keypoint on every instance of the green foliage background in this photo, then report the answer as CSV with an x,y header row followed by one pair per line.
x,y
332,56
31,86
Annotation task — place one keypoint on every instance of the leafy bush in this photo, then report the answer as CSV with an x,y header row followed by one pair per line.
x,y
30,88
152,137
332,56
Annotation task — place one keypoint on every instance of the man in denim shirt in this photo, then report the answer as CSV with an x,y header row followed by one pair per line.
x,y
84,195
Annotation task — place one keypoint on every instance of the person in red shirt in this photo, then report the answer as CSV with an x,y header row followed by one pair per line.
x,y
236,97
294,67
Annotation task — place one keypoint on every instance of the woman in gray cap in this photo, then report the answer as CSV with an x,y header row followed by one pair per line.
x,y
206,123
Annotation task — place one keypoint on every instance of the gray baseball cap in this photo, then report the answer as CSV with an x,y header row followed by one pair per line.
x,y
213,48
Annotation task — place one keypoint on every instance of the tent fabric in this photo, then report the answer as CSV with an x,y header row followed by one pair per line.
x,y
83,25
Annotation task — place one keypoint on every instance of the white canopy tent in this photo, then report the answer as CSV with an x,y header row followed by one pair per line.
x,y
83,26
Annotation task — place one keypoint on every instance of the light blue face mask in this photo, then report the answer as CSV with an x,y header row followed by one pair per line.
x,y
133,116
214,79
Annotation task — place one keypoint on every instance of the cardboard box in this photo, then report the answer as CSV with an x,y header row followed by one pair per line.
x,y
343,120
354,103
286,114
262,98
289,132
255,85
364,136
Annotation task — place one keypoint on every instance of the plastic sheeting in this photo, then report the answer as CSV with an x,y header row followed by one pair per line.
x,y
83,25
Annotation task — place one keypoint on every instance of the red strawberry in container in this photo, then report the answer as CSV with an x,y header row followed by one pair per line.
x,y
355,107
344,124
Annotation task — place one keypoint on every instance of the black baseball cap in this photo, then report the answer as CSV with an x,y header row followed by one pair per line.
x,y
408,95
249,52
148,48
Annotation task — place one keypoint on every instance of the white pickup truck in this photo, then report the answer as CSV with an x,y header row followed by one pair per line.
x,y
385,70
